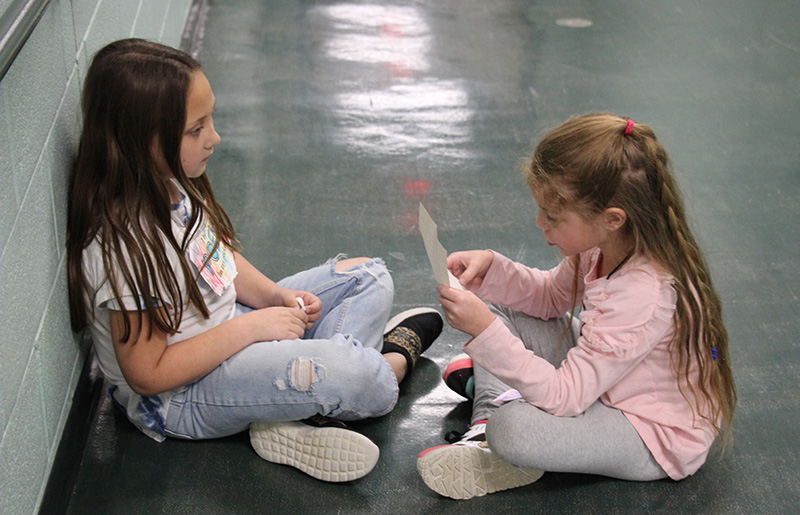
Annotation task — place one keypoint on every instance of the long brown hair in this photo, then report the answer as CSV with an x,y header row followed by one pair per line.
x,y
135,94
593,162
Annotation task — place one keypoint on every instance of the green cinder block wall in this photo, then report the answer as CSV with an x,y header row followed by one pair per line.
x,y
40,358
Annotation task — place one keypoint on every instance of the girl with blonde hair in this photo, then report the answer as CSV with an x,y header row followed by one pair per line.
x,y
638,384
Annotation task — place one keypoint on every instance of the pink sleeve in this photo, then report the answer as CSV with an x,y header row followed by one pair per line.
x,y
542,293
616,337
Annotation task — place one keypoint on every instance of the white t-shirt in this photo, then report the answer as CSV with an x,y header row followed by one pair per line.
x,y
216,286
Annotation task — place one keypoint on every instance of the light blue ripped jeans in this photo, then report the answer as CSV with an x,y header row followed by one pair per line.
x,y
336,370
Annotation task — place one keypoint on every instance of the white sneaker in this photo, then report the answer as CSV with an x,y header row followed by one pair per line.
x,y
332,454
468,468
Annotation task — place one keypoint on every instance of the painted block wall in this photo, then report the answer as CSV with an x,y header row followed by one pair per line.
x,y
40,357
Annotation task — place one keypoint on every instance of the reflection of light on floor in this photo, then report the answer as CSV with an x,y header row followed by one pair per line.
x,y
430,115
426,414
574,23
417,189
412,114
378,34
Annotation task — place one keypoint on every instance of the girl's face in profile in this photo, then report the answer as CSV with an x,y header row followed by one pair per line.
x,y
199,136
567,230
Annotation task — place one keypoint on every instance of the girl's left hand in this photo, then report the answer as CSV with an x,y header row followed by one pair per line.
x,y
464,310
311,304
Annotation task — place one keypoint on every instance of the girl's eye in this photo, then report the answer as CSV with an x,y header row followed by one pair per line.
x,y
549,216
196,131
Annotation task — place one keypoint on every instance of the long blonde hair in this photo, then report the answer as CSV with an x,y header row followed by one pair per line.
x,y
592,162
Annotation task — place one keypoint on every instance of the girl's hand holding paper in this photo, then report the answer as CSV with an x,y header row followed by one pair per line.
x,y
470,267
464,310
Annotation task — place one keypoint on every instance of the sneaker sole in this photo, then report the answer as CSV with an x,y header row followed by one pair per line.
x,y
464,472
329,454
395,320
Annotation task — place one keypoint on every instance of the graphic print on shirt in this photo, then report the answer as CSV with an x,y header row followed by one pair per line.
x,y
220,269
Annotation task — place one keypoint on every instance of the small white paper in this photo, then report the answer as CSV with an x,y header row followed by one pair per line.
x,y
436,252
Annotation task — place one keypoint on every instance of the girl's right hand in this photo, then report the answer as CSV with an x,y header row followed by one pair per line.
x,y
470,267
277,323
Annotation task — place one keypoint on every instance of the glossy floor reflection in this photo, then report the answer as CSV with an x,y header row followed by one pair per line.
x,y
338,118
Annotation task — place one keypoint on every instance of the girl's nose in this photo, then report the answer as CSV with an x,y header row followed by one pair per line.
x,y
540,220
214,137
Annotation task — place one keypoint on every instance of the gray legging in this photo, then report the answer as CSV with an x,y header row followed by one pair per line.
x,y
599,441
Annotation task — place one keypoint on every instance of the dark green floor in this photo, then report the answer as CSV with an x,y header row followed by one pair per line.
x,y
336,118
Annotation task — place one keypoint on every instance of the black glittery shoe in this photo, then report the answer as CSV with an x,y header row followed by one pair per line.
x,y
411,332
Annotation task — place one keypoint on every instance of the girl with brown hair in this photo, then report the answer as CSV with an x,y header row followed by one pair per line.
x,y
194,342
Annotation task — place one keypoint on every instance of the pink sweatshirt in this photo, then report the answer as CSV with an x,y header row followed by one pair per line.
x,y
622,355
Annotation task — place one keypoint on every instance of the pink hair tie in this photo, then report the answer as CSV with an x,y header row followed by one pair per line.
x,y
629,128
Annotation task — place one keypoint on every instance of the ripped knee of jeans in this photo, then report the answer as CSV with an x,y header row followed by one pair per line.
x,y
302,375
374,267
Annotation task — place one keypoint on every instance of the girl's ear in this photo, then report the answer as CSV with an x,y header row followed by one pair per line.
x,y
614,218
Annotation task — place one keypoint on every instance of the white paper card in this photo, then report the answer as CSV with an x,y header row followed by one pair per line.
x,y
436,252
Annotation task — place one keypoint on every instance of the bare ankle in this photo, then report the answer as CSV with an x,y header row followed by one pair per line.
x,y
398,363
